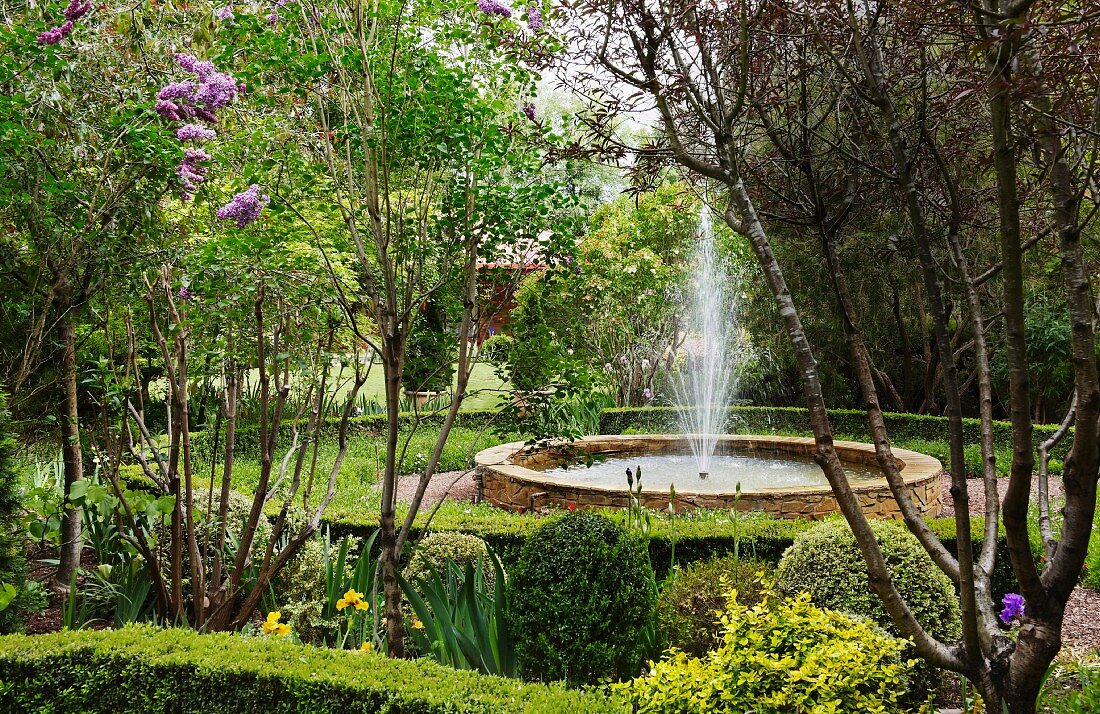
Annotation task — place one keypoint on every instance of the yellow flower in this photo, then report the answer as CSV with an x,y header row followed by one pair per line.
x,y
272,624
417,624
368,646
282,630
352,598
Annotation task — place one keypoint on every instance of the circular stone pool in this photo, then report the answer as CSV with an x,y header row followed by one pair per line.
x,y
776,475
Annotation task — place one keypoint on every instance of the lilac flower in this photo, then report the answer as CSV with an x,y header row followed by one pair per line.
x,y
647,394
215,91
168,110
494,7
534,18
177,90
206,115
76,9
185,293
186,61
273,16
194,156
245,206
197,132
529,111
225,14
607,367
624,360
55,35
1013,607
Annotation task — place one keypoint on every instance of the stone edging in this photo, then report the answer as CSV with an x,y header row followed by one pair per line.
x,y
507,481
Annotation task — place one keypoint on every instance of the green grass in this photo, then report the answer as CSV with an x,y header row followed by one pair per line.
x,y
483,391
357,483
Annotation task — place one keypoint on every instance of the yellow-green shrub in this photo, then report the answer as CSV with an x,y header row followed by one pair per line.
x,y
692,597
781,657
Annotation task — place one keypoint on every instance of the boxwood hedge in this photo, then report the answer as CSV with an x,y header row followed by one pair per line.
x,y
851,423
143,669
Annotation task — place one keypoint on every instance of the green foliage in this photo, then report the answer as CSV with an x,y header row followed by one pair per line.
x,y
826,562
18,595
1072,687
435,549
299,593
429,353
141,669
781,657
693,596
461,615
698,535
581,599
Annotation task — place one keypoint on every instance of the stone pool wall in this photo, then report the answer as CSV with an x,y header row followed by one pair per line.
x,y
508,478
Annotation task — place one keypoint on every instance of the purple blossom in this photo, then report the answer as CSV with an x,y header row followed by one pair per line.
x,y
168,110
225,14
76,9
197,132
534,18
647,394
1013,607
624,359
215,91
529,111
494,7
186,61
55,35
273,16
185,293
194,156
177,90
245,206
607,367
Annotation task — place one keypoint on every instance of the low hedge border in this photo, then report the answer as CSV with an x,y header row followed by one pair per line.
x,y
796,420
144,669
701,537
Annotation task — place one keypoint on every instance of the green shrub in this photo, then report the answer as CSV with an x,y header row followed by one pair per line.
x,y
701,536
581,599
299,594
779,657
18,595
141,669
433,551
826,563
693,597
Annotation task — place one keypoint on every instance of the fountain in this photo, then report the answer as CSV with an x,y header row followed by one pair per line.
x,y
707,467
706,384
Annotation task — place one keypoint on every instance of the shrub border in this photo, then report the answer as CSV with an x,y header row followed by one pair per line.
x,y
145,669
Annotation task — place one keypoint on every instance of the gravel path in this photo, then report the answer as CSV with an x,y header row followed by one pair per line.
x,y
1081,630
454,485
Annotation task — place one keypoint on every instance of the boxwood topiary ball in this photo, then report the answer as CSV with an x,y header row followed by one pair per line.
x,y
582,595
826,562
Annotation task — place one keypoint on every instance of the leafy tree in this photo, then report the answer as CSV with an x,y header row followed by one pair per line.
x,y
709,71
86,162
415,119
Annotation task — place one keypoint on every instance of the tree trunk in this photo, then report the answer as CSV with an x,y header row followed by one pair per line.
x,y
391,556
71,544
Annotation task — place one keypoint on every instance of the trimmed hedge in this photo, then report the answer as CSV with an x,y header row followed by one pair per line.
x,y
700,537
796,420
143,669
